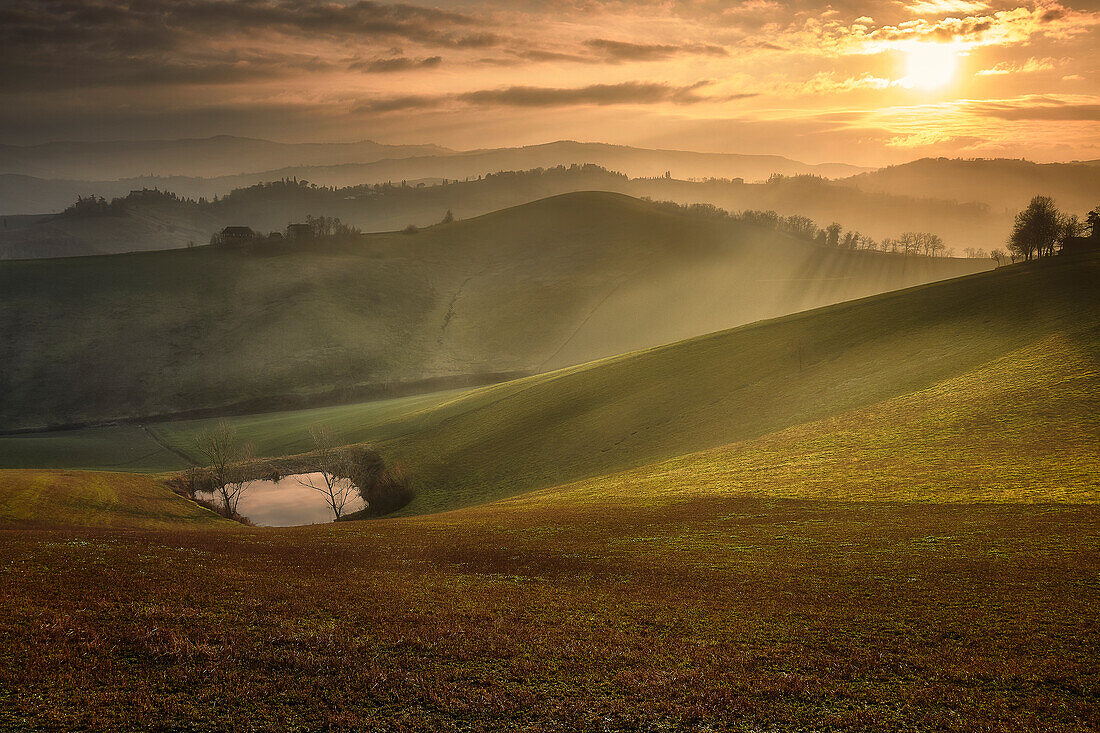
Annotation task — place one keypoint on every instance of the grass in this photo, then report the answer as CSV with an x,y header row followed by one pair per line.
x,y
697,614
287,432
169,446
67,499
554,282
117,448
1022,429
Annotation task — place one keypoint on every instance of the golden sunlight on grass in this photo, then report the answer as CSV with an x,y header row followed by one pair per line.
x,y
930,65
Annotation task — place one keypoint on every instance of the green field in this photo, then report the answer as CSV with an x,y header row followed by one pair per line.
x,y
552,283
169,446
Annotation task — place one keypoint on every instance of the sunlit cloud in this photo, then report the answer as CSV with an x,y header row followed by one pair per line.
x,y
1016,26
827,83
627,93
942,7
621,51
1030,66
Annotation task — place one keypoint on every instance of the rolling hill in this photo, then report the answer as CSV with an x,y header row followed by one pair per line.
x,y
548,284
902,535
149,220
999,183
982,388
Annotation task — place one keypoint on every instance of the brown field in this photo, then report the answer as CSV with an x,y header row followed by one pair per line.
x,y
692,614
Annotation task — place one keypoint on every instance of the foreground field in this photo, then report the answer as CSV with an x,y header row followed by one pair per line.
x,y
688,614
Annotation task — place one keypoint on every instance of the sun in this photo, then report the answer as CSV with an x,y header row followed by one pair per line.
x,y
930,65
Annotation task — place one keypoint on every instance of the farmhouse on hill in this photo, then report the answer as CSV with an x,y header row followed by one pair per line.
x,y
1080,245
299,231
234,235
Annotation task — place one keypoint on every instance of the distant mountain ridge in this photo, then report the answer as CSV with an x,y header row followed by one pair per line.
x,y
195,157
218,165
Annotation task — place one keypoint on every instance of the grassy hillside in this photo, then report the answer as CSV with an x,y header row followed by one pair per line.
x,y
1024,428
563,280
750,382
931,394
69,499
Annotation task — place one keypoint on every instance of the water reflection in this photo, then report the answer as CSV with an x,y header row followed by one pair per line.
x,y
287,503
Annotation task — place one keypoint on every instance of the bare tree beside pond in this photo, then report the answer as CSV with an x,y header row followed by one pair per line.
x,y
222,449
333,467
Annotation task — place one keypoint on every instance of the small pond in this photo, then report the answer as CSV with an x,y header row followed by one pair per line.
x,y
287,503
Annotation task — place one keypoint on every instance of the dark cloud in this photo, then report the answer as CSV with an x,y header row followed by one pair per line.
x,y
304,17
527,96
397,63
595,94
535,54
625,51
1037,109
404,103
53,72
77,43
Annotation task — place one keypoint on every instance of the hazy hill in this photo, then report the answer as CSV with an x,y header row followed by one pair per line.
x,y
1002,184
205,157
631,161
333,165
555,282
156,223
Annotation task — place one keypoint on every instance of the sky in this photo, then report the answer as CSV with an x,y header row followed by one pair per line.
x,y
869,82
